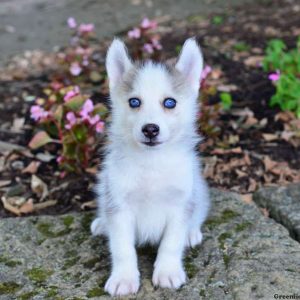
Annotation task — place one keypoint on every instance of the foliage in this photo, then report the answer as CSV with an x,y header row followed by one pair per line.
x,y
70,119
286,77
145,42
77,61
226,100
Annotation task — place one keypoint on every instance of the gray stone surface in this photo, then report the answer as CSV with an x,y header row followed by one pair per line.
x,y
283,204
244,256
41,24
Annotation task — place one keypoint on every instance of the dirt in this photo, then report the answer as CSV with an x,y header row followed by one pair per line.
x,y
252,24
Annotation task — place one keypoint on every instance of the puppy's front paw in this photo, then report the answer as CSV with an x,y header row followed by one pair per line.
x,y
123,283
170,276
194,238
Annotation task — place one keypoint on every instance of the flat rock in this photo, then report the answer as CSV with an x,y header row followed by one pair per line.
x,y
244,255
283,204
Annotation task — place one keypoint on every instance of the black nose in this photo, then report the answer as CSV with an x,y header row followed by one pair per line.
x,y
150,130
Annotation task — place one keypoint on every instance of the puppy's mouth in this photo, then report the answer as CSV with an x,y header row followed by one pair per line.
x,y
151,143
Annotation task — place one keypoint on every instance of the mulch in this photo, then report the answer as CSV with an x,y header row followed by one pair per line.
x,y
254,145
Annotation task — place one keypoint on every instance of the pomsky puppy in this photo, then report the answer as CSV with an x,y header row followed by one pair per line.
x,y
150,189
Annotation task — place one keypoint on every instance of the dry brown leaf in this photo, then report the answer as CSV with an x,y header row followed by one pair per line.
x,y
42,205
220,151
252,185
265,212
240,173
270,137
285,116
245,112
269,163
4,183
93,170
27,207
227,88
250,121
10,207
254,61
89,204
18,124
39,187
247,198
287,135
32,167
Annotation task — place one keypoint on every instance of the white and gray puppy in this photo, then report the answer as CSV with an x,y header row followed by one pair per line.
x,y
150,189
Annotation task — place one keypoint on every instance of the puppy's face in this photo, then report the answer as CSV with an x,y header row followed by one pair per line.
x,y
152,104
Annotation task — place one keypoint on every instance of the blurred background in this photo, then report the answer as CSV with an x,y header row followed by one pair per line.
x,y
41,24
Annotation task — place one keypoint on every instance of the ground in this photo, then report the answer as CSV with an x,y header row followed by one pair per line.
x,y
244,255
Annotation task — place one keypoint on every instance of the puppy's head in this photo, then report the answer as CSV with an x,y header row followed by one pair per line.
x,y
153,104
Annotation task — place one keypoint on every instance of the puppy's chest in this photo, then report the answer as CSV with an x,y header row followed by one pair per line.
x,y
165,184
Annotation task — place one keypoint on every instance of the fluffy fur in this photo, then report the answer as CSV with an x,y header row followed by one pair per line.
x,y
151,194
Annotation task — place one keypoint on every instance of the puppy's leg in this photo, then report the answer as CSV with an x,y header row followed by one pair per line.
x,y
198,214
168,267
124,278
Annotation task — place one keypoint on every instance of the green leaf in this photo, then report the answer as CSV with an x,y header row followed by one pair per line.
x,y
95,76
101,110
226,100
40,139
58,114
75,103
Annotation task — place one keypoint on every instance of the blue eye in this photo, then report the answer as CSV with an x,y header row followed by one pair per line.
x,y
169,103
134,102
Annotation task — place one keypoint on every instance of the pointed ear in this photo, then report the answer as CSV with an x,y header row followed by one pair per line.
x,y
117,62
190,63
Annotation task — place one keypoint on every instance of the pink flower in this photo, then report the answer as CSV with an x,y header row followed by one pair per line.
x,y
100,127
72,120
70,94
86,28
59,159
156,44
38,113
135,33
87,107
148,48
148,24
72,23
274,76
75,69
93,120
56,85
205,72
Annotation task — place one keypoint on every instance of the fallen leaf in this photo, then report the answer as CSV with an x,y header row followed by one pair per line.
x,y
269,163
270,137
254,61
10,207
89,204
39,187
32,167
240,173
247,198
93,170
221,151
42,205
265,212
27,207
227,88
4,183
252,185
18,124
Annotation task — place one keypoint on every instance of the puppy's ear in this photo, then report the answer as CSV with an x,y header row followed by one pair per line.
x,y
117,62
190,63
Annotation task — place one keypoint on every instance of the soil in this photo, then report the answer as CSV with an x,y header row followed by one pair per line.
x,y
253,25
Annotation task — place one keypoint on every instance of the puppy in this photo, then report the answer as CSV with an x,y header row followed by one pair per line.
x,y
150,189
